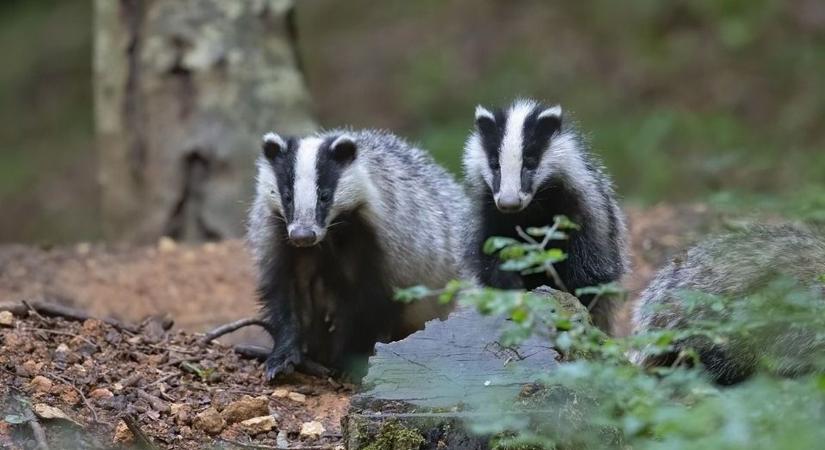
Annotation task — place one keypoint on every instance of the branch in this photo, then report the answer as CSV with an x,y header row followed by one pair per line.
x,y
56,310
141,439
233,326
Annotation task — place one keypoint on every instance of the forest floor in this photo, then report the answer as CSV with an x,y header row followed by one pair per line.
x,y
165,383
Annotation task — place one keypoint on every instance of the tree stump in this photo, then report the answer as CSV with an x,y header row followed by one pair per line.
x,y
184,90
419,392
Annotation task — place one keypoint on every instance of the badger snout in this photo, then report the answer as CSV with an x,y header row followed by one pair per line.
x,y
302,235
511,202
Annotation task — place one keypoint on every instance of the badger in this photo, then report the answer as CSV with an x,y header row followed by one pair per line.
x,y
525,165
340,219
735,266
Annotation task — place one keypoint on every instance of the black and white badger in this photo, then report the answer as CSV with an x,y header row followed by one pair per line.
x,y
735,265
339,220
526,165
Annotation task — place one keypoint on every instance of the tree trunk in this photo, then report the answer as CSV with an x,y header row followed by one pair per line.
x,y
184,90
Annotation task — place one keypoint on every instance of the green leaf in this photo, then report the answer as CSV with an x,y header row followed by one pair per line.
x,y
15,419
496,243
563,223
412,294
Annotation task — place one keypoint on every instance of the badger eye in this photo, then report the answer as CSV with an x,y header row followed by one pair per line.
x,y
494,164
531,162
324,196
287,196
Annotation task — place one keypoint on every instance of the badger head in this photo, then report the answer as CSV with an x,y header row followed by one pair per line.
x,y
309,182
509,149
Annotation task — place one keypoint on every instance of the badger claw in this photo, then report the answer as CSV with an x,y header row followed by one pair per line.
x,y
282,362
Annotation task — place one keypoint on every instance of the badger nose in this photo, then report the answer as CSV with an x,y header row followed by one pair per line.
x,y
509,202
302,236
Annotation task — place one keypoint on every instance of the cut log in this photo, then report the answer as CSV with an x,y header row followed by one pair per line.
x,y
428,384
184,90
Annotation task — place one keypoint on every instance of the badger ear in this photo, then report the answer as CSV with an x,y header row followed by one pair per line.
x,y
343,148
273,145
484,117
550,118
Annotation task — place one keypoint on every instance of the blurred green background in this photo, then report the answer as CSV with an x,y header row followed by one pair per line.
x,y
684,100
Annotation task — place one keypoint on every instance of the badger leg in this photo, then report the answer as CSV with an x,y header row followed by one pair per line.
x,y
491,275
285,330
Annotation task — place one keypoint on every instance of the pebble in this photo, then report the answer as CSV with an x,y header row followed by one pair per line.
x,y
209,421
6,318
280,393
296,397
122,434
41,384
258,425
167,244
245,408
312,429
101,394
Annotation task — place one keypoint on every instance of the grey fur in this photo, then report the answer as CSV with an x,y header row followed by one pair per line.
x,y
568,180
733,265
417,211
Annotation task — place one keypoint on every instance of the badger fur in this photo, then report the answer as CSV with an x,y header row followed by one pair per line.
x,y
734,266
339,220
525,165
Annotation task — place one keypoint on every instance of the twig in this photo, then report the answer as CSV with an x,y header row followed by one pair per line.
x,y
252,351
233,326
141,439
276,447
37,431
55,310
156,403
161,380
61,333
79,392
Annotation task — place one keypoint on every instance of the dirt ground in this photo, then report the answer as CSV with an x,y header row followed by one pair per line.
x,y
198,286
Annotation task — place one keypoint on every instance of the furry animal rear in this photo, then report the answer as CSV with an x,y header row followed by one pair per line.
x,y
735,266
526,164
341,218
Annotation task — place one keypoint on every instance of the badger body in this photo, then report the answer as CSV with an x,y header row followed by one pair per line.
x,y
525,165
339,220
735,266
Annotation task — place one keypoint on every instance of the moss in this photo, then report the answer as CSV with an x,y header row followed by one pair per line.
x,y
394,436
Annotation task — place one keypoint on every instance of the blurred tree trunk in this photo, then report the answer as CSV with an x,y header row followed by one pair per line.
x,y
184,89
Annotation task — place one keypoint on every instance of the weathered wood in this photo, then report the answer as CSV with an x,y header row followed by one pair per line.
x,y
183,91
429,383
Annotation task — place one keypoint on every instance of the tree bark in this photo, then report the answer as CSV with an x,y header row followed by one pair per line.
x,y
184,89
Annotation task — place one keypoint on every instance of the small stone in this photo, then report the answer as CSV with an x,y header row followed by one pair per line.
x,y
312,429
83,248
6,319
41,384
62,348
296,397
47,412
31,368
167,244
209,421
181,412
122,434
258,425
245,408
280,393
92,326
101,394
69,396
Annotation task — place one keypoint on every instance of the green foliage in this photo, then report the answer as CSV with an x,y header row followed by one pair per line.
x,y
394,436
599,399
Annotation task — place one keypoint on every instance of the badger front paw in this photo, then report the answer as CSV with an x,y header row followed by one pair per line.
x,y
282,361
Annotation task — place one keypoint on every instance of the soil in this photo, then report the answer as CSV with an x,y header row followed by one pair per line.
x,y
177,377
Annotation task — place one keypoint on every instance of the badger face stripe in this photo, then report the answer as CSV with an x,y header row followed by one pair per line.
x,y
334,157
539,127
282,164
490,128
510,156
